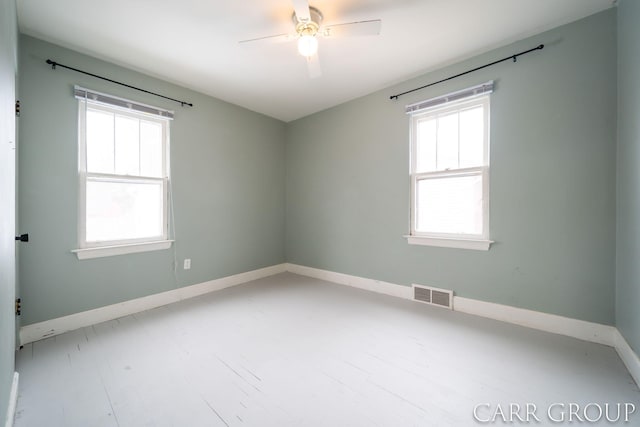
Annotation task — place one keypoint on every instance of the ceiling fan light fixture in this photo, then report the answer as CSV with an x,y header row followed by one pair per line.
x,y
307,45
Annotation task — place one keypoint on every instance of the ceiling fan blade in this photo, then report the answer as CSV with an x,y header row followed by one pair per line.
x,y
301,7
360,28
313,66
278,38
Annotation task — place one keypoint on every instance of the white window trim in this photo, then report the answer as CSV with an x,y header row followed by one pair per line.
x,y
104,251
458,241
88,250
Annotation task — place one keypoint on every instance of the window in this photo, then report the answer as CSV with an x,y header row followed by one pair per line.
x,y
450,170
123,166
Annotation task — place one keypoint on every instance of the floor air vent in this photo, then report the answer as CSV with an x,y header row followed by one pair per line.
x,y
433,296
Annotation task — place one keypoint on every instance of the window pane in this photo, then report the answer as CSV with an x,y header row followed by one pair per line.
x,y
123,210
426,146
450,205
471,137
448,142
127,146
99,141
150,149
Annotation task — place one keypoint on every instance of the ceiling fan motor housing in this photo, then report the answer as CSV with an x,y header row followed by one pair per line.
x,y
308,27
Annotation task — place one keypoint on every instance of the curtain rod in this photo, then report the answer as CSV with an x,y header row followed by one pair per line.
x,y
514,57
55,64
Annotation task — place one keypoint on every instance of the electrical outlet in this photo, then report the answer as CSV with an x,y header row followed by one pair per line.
x,y
187,263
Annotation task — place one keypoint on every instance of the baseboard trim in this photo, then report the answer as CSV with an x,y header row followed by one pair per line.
x,y
628,356
13,401
60,325
581,329
587,331
372,285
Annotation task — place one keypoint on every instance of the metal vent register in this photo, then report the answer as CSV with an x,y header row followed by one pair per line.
x,y
433,296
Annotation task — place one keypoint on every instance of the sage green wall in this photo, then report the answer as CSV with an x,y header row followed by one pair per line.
x,y
628,236
553,138
553,184
227,167
8,68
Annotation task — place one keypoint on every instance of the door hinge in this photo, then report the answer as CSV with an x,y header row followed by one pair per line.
x,y
18,306
17,108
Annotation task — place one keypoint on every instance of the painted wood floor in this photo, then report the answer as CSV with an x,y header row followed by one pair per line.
x,y
294,351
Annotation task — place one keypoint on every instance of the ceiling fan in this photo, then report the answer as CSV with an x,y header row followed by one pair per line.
x,y
307,21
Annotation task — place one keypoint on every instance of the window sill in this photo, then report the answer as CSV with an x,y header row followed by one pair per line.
x,y
478,245
104,251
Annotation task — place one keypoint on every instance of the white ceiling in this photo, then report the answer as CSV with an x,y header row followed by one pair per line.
x,y
194,43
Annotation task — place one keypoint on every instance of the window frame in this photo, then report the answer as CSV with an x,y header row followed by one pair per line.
x,y
479,241
93,249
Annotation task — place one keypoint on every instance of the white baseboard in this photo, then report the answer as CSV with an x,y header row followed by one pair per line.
x,y
588,331
581,329
60,325
13,401
372,285
628,356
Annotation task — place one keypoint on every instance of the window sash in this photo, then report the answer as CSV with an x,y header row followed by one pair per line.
x,y
482,172
88,177
458,106
89,105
